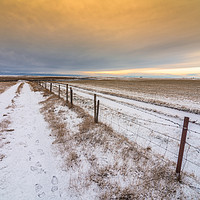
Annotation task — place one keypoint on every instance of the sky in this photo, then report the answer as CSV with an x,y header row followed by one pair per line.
x,y
101,37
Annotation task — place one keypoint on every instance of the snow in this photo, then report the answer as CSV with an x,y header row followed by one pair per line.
x,y
30,169
6,98
181,102
147,124
34,168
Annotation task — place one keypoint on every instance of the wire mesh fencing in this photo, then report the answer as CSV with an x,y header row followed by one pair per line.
x,y
158,133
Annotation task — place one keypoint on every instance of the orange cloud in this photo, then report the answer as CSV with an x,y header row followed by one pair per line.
x,y
86,35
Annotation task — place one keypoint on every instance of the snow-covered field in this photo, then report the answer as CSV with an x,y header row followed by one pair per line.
x,y
149,125
180,94
37,164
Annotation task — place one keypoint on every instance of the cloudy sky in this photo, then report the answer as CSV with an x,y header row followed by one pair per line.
x,y
101,37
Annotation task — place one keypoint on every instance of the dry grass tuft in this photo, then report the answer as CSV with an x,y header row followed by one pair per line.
x,y
19,89
36,88
72,159
2,157
4,125
58,127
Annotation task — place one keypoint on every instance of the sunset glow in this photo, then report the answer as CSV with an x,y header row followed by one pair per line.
x,y
153,71
100,37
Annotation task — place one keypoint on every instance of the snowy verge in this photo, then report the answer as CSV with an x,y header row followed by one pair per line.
x,y
103,164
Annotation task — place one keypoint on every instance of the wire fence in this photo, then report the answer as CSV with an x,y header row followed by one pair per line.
x,y
158,133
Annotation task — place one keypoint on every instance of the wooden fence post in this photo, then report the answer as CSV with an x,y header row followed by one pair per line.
x,y
67,93
97,114
59,90
95,107
45,85
182,146
71,96
50,87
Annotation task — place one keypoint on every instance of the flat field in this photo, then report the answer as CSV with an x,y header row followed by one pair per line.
x,y
183,94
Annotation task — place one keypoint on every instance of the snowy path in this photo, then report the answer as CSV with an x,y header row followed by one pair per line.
x,y
30,169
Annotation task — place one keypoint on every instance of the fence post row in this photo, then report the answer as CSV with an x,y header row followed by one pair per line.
x,y
71,96
67,93
182,146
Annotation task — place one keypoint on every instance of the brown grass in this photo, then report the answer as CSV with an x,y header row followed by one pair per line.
x,y
4,125
3,128
170,87
94,145
5,85
19,89
2,157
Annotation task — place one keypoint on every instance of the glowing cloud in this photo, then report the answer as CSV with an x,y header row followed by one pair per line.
x,y
89,35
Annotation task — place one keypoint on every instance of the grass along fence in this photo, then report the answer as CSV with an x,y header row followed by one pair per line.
x,y
171,145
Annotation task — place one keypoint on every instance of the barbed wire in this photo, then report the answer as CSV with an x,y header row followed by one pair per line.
x,y
150,122
194,131
154,122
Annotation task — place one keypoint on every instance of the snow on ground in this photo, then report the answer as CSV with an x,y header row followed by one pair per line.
x,y
34,169
6,98
180,102
29,170
150,126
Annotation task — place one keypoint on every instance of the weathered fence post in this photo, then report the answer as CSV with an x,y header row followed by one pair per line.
x,y
67,93
182,146
45,85
95,107
59,90
97,114
50,87
71,96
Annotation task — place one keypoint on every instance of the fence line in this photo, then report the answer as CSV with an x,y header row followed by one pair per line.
x,y
166,148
